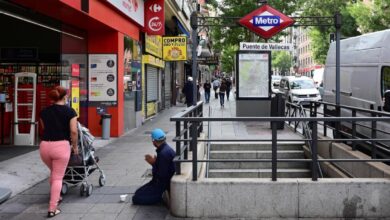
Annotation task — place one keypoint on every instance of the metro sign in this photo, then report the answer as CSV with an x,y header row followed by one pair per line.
x,y
266,21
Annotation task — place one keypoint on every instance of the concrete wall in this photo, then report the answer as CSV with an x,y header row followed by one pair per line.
x,y
328,149
292,198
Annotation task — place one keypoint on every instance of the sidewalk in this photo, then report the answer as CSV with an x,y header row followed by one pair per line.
x,y
122,160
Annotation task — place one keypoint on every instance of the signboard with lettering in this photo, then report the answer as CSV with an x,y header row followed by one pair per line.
x,y
102,86
154,17
213,60
153,45
134,9
266,21
265,46
174,48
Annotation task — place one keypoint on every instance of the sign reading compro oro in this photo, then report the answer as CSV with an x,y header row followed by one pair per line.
x,y
174,48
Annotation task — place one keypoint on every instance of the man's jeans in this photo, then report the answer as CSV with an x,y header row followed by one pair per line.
x,y
222,98
207,96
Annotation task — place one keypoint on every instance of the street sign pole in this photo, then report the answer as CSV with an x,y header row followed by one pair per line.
x,y
194,26
337,24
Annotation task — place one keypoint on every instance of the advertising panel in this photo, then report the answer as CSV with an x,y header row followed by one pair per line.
x,y
154,17
153,45
174,48
102,78
134,9
253,75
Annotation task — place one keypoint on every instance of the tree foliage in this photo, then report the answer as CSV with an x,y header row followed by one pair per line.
x,y
282,61
371,17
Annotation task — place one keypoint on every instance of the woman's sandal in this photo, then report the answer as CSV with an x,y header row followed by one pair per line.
x,y
51,214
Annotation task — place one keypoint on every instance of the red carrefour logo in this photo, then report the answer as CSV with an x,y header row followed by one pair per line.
x,y
266,21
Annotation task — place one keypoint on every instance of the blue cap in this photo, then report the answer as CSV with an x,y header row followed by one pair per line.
x,y
158,135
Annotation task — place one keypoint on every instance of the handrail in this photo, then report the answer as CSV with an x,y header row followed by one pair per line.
x,y
208,143
191,118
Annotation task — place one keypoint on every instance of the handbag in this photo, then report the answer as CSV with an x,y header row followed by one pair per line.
x,y
75,160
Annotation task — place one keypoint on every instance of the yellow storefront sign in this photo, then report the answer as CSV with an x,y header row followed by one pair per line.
x,y
151,109
151,60
153,45
174,48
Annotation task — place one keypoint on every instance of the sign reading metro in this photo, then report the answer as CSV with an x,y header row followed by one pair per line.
x,y
265,46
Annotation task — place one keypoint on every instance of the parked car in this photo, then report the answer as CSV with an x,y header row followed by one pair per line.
x,y
299,89
275,80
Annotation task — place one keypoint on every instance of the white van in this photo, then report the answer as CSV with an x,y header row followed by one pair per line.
x,y
364,70
364,77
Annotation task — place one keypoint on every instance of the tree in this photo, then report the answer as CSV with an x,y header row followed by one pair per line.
x,y
371,17
226,38
319,36
282,61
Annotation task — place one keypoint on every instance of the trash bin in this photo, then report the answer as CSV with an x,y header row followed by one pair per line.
x,y
106,119
278,102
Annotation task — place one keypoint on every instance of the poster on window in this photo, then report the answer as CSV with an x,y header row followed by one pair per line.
x,y
102,78
253,75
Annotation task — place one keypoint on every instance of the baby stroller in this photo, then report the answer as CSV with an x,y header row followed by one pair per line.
x,y
82,165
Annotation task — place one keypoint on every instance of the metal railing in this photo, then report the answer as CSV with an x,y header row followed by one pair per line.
x,y
189,125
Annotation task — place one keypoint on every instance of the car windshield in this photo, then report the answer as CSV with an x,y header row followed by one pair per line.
x,y
302,84
276,77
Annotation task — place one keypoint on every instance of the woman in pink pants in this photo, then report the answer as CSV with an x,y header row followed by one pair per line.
x,y
59,124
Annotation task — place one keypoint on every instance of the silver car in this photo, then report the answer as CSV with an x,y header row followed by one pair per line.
x,y
299,89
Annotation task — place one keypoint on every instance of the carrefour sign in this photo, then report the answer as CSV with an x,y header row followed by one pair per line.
x,y
266,21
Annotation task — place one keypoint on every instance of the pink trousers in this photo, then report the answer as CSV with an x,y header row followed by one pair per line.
x,y
55,154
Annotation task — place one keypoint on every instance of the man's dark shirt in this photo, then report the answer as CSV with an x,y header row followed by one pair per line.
x,y
207,87
164,168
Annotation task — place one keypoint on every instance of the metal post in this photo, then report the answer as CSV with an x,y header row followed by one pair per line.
x,y
325,123
337,24
194,140
274,151
178,148
353,130
186,137
314,165
194,26
373,137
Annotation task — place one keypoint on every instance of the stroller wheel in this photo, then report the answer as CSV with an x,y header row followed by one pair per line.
x,y
82,189
64,189
102,180
89,190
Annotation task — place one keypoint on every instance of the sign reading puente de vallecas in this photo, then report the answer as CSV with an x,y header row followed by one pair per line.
x,y
266,21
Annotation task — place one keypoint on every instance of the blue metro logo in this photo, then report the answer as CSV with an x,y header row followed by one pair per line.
x,y
266,21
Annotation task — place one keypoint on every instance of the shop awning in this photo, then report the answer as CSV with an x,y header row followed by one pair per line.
x,y
181,27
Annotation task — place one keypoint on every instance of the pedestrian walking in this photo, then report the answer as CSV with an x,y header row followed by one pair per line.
x,y
188,91
163,169
59,123
216,85
222,90
207,88
228,87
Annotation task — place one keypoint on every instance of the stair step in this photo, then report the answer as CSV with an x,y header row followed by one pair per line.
x,y
257,165
257,146
256,154
258,173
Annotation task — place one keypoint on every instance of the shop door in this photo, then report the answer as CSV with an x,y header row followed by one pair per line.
x,y
130,79
152,90
168,85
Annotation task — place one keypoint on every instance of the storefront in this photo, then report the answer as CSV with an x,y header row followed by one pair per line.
x,y
154,83
64,42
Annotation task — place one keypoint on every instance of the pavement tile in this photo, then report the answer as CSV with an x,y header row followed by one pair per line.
x,y
155,212
75,208
37,209
106,208
66,216
33,199
100,217
8,208
32,216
